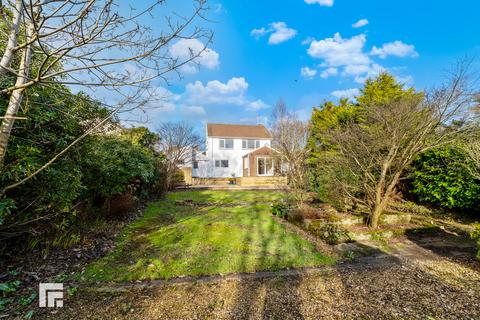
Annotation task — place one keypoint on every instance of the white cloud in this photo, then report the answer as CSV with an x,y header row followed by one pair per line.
x,y
257,105
372,71
216,92
346,57
338,51
326,3
396,48
193,111
308,73
355,70
199,100
348,93
360,23
329,72
307,41
279,32
185,49
256,120
233,92
257,33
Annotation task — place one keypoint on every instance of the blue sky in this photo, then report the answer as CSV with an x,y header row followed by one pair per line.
x,y
261,47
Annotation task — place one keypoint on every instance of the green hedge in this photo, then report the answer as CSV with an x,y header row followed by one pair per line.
x,y
441,177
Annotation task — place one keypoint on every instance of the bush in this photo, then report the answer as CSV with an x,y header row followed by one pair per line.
x,y
440,177
331,233
179,177
111,165
281,209
295,216
100,170
476,236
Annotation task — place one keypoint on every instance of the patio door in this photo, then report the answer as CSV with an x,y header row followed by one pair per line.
x,y
265,166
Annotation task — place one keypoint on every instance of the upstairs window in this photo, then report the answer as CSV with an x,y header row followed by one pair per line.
x,y
195,164
226,143
250,144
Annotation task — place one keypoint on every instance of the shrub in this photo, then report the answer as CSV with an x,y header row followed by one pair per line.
x,y
310,213
111,165
281,209
295,216
179,177
440,177
331,233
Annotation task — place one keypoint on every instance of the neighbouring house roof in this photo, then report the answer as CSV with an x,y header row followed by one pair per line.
x,y
263,151
237,131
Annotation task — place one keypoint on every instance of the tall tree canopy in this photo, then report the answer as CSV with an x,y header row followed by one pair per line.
x,y
362,149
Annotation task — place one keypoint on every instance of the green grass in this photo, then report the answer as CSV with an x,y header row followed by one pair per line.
x,y
172,240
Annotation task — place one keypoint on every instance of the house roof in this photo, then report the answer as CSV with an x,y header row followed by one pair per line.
x,y
237,131
263,151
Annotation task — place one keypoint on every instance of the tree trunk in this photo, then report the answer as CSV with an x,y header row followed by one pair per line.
x,y
12,39
15,98
376,213
382,200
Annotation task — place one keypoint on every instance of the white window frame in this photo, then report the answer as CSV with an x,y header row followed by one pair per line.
x,y
224,142
256,144
265,160
220,163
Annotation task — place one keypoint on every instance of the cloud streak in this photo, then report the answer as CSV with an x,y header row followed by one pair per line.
x,y
324,3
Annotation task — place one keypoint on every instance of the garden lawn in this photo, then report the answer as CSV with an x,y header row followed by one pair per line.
x,y
213,232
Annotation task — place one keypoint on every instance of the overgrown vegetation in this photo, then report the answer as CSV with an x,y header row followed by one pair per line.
x,y
361,151
233,232
115,164
63,154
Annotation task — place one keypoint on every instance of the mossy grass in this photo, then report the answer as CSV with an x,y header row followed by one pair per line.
x,y
172,240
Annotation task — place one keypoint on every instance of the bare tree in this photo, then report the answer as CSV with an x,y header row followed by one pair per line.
x,y
178,142
91,43
290,139
472,149
372,155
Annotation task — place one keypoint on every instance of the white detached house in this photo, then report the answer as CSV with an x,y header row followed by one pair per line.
x,y
234,150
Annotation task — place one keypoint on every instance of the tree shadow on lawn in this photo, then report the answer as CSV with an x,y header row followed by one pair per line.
x,y
263,299
375,286
174,240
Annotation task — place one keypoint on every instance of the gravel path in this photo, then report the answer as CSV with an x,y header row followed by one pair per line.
x,y
381,286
